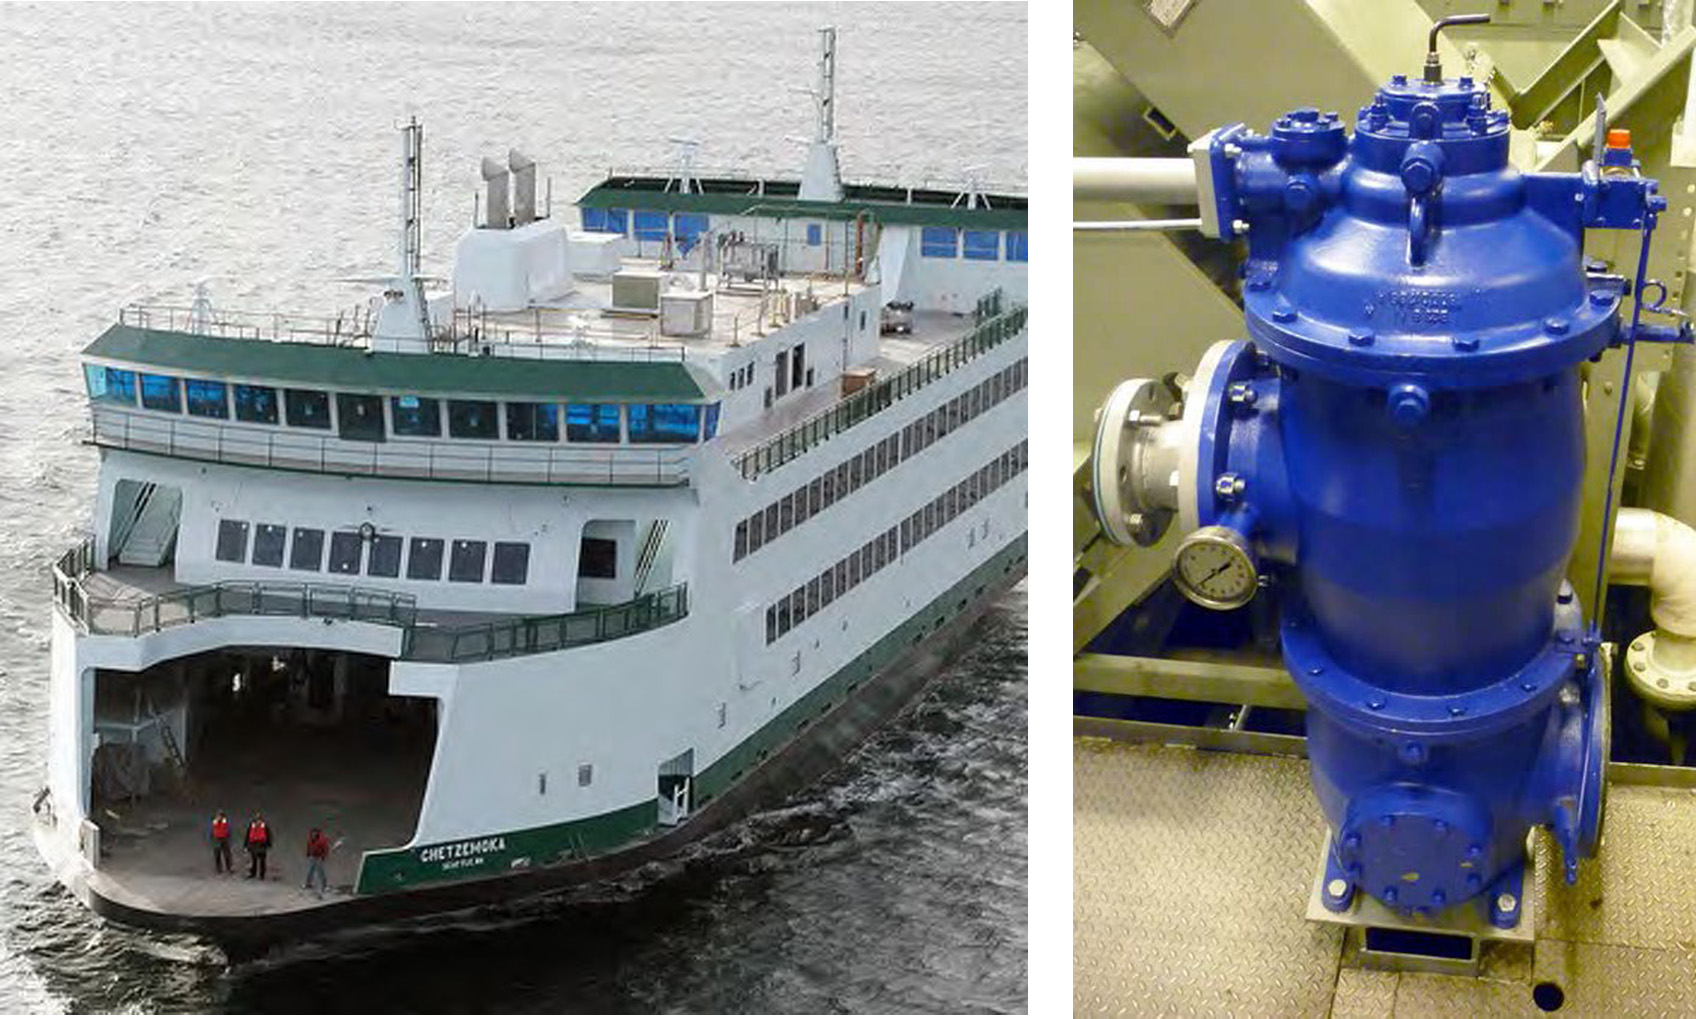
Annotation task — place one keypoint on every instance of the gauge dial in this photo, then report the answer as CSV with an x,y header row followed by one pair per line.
x,y
1215,569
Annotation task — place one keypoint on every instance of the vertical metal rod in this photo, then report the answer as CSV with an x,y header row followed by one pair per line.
x,y
1619,426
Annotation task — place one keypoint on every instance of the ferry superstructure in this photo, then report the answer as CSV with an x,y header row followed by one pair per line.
x,y
545,573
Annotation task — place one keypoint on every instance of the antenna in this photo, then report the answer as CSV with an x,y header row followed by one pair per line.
x,y
411,197
686,149
826,94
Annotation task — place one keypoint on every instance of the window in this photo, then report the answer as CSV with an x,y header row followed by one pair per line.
x,y
815,235
307,550
512,563
688,227
425,562
232,541
786,513
109,385
797,366
472,419
256,404
591,422
162,392
741,547
385,556
417,416
612,221
982,245
771,624
532,422
346,550
756,532
360,417
466,564
268,542
939,242
664,422
781,371
597,558
1018,246
306,408
712,422
651,226
207,399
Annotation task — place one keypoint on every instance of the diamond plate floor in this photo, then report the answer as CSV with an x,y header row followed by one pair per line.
x,y
1192,871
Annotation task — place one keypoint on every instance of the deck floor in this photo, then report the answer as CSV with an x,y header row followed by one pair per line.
x,y
363,787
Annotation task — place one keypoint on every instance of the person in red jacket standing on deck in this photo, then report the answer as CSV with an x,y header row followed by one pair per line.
x,y
258,844
221,863
317,853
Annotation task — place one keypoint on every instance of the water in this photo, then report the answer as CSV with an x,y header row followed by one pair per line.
x,y
145,148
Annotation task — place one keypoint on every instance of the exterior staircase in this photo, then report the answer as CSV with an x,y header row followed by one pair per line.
x,y
149,534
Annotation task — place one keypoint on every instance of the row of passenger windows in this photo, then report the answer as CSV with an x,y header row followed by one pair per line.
x,y
975,245
684,228
303,548
815,595
766,525
362,416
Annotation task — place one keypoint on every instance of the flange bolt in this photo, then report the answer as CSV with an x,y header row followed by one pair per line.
x,y
1242,394
1409,403
1229,486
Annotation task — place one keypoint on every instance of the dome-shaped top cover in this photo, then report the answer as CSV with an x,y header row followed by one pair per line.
x,y
1413,251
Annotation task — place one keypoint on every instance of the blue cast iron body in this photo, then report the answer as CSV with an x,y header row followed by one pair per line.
x,y
1412,453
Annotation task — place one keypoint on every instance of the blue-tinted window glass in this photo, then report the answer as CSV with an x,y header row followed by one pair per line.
x,y
416,415
651,226
1018,246
162,392
591,422
939,242
664,422
307,408
594,219
472,419
712,421
532,422
983,245
207,399
257,404
688,228
360,417
110,385
815,235
618,221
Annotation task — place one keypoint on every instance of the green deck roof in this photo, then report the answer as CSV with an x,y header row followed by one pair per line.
x,y
350,369
738,197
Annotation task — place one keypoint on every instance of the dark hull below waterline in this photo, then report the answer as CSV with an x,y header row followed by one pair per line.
x,y
804,759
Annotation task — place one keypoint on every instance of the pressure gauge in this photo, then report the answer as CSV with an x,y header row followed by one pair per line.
x,y
1215,569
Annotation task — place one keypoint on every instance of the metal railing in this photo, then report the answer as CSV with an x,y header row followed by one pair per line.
x,y
352,329
421,641
887,176
117,427
532,635
994,327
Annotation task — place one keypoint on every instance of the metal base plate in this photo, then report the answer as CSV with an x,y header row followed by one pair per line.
x,y
1193,869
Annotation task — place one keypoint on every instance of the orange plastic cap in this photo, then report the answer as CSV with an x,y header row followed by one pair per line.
x,y
1619,138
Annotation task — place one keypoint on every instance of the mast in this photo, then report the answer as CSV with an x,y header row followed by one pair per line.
x,y
822,179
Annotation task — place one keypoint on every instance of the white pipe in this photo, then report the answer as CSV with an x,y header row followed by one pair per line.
x,y
1135,225
1658,551
1156,181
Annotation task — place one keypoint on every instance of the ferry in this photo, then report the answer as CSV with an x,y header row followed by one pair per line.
x,y
524,577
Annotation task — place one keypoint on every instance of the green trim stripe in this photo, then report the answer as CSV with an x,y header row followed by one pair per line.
x,y
350,369
488,855
650,195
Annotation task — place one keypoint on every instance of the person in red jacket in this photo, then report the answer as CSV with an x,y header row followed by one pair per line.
x,y
221,863
258,844
317,854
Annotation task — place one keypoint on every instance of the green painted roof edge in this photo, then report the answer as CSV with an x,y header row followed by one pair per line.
x,y
603,196
350,369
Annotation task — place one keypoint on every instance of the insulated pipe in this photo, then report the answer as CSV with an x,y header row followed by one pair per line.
x,y
1654,550
1155,181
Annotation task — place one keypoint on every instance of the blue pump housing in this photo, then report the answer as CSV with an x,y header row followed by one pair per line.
x,y
1411,462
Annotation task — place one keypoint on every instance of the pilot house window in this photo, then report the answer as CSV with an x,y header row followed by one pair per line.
x,y
256,404
360,417
307,408
472,419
